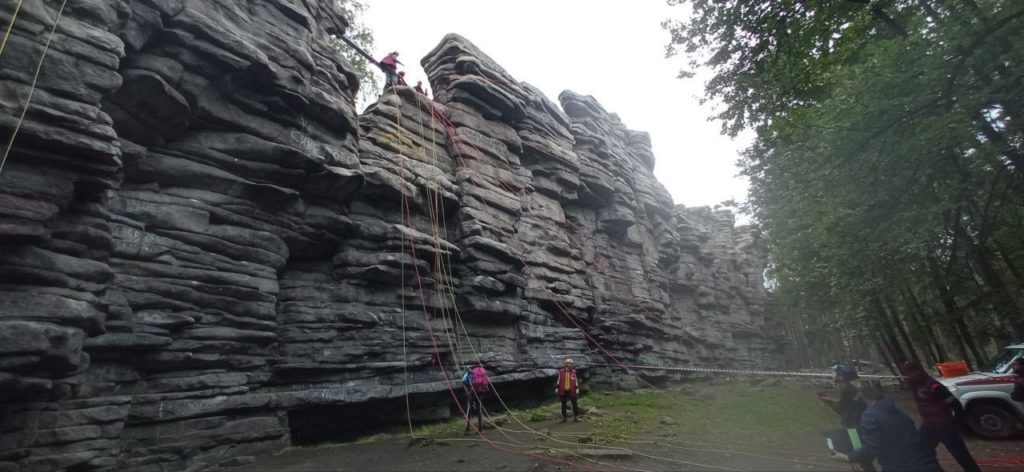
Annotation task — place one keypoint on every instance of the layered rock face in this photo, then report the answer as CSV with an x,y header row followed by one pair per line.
x,y
205,251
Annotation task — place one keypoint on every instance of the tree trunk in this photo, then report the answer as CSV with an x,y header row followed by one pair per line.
x,y
887,358
1010,265
888,330
994,285
926,327
901,328
954,313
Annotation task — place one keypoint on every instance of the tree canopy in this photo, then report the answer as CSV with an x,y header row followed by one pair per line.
x,y
888,166
361,34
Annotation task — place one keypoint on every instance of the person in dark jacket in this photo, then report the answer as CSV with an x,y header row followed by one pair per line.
x,y
888,435
849,406
940,413
1018,382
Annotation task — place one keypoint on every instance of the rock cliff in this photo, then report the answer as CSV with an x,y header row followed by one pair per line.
x,y
204,250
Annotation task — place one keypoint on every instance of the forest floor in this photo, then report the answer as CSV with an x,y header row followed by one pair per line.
x,y
701,426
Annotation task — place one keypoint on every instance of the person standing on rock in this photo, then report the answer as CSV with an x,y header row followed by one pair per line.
x,y
940,414
390,65
568,389
419,88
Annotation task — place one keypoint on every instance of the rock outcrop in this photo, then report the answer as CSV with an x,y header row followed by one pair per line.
x,y
205,251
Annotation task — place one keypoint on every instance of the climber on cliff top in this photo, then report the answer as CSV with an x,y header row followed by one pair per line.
x,y
390,65
568,389
419,88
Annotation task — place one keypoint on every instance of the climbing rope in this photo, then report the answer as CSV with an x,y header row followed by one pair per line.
x,y
444,372
407,216
401,295
35,79
454,319
10,26
443,272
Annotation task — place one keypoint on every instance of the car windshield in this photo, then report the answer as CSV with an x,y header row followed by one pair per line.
x,y
1001,363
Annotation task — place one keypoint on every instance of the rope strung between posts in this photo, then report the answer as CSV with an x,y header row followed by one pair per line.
x,y
32,87
707,370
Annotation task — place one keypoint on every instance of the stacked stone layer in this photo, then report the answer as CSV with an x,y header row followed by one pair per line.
x,y
202,243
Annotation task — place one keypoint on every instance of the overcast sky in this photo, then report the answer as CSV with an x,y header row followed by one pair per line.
x,y
613,50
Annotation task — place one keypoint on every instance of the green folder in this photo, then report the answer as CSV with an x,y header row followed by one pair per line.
x,y
854,438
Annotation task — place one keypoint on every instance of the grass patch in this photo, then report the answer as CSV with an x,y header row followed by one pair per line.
x,y
436,430
747,412
735,411
625,414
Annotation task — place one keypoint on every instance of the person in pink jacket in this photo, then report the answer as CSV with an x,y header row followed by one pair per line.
x,y
390,65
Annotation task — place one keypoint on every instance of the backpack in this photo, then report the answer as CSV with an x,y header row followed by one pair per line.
x,y
479,379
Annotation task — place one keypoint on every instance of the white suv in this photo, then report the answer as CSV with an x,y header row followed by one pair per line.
x,y
991,413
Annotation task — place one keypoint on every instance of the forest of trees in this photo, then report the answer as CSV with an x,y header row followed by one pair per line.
x,y
887,172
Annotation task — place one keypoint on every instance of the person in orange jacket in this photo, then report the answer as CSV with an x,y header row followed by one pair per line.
x,y
568,389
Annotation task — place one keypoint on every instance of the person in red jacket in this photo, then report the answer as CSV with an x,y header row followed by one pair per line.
x,y
940,413
419,88
390,65
568,389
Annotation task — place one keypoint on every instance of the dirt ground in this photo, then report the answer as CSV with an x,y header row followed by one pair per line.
x,y
699,428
